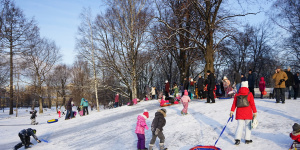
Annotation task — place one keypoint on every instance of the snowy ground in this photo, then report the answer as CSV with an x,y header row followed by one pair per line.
x,y
113,129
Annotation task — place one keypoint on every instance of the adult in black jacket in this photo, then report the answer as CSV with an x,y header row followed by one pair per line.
x,y
158,123
296,86
210,87
185,85
289,82
251,81
243,78
69,109
25,138
200,85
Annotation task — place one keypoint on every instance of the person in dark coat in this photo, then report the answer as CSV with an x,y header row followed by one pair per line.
x,y
25,138
33,116
185,86
296,86
200,85
251,81
167,89
69,109
157,125
210,87
222,88
243,78
237,80
289,82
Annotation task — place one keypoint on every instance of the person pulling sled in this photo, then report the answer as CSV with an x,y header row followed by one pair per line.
x,y
25,138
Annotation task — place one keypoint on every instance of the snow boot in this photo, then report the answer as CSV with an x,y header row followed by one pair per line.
x,y
248,141
237,142
161,146
150,147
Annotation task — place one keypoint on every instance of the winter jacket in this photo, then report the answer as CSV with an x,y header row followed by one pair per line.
x,y
290,80
244,113
33,114
251,80
84,102
297,81
26,133
159,121
200,84
277,77
153,91
237,78
117,98
167,87
262,84
191,87
295,136
211,82
243,78
69,104
141,124
176,90
185,98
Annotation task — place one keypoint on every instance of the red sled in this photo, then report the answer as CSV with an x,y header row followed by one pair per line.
x,y
81,113
200,147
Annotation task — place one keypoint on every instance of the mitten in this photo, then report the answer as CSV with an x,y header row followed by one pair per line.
x,y
156,131
146,127
231,113
254,115
38,141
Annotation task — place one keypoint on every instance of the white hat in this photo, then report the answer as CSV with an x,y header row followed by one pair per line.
x,y
225,77
192,80
244,84
166,81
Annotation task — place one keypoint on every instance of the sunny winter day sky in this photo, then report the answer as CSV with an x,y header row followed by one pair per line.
x,y
59,19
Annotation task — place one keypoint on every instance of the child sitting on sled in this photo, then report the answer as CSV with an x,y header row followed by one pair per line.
x,y
141,125
25,138
295,134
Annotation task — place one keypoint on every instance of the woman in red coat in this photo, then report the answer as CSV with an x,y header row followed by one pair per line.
x,y
262,86
244,115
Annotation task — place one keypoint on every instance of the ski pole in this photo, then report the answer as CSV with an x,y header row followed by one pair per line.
x,y
224,128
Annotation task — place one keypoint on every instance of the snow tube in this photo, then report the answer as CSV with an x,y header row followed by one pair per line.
x,y
52,120
200,147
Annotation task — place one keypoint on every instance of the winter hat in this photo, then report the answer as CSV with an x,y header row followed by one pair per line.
x,y
225,77
164,110
208,71
146,113
278,67
296,127
192,80
244,84
186,92
166,81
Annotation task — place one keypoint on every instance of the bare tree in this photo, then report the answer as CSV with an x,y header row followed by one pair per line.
x,y
15,30
121,36
41,57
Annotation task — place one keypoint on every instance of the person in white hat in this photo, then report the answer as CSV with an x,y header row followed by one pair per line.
x,y
245,111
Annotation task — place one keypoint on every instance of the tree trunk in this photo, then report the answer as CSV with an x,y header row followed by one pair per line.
x,y
40,95
11,90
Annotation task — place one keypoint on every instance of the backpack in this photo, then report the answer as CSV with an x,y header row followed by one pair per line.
x,y
242,101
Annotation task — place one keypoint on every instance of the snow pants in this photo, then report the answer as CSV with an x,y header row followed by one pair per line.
x,y
141,141
280,94
185,107
25,141
85,109
33,121
240,127
160,135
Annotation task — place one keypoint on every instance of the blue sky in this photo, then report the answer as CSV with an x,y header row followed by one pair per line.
x,y
58,20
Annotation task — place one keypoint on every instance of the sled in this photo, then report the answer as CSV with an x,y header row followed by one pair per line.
x,y
166,104
295,146
81,113
45,141
52,121
200,147
224,97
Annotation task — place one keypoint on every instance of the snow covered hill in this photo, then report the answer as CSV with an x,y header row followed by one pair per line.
x,y
113,129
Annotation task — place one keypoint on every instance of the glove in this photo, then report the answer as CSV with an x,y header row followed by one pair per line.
x,y
146,127
38,141
156,131
231,113
254,115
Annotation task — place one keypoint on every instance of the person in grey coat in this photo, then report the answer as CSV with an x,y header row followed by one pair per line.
x,y
158,123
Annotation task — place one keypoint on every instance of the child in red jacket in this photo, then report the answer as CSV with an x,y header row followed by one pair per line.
x,y
295,135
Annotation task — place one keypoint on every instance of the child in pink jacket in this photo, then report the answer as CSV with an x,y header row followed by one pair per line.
x,y
185,99
140,130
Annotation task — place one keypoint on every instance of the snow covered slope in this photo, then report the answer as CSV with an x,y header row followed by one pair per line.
x,y
113,129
